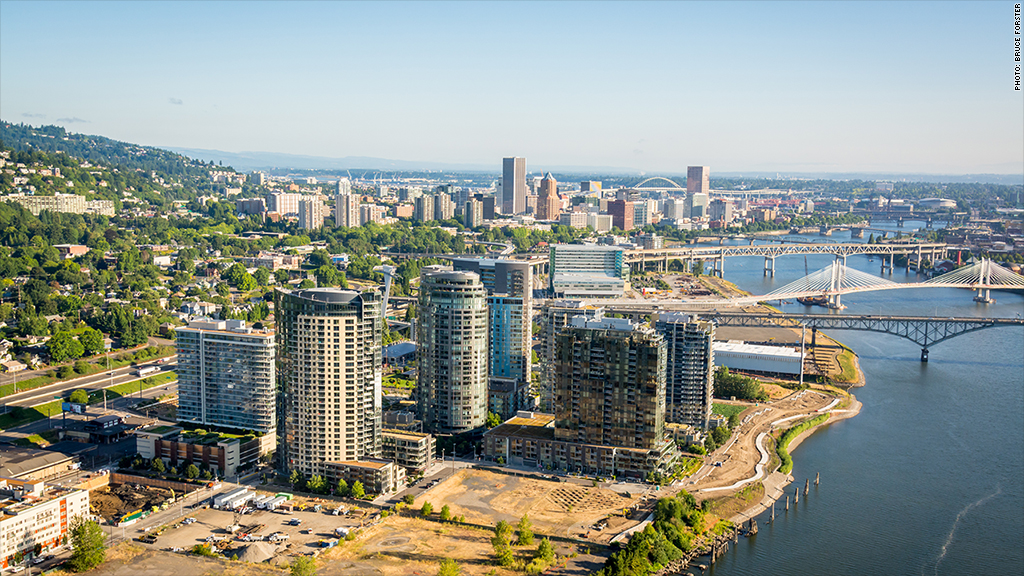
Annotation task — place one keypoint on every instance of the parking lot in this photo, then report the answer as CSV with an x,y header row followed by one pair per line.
x,y
301,532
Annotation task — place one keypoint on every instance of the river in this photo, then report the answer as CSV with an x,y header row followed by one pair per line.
x,y
929,478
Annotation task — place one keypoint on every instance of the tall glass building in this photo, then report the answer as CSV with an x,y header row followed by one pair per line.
x,y
329,366
226,376
690,369
610,384
451,350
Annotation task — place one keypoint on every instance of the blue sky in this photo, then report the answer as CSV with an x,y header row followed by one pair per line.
x,y
811,86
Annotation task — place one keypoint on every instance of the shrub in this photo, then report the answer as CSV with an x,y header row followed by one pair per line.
x,y
427,509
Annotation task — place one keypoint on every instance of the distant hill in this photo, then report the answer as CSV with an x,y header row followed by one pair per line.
x,y
100,150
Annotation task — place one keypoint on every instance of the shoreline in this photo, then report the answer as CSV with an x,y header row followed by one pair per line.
x,y
775,483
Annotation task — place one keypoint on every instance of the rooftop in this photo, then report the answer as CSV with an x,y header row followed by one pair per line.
x,y
539,426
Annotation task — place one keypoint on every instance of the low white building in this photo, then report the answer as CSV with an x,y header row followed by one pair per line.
x,y
738,355
36,515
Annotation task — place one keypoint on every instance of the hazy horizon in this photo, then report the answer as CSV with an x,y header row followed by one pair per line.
x,y
894,88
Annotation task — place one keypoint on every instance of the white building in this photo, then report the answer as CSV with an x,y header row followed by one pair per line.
x,y
36,515
738,355
580,270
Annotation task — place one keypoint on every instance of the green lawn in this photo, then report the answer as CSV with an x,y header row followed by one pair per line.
x,y
727,410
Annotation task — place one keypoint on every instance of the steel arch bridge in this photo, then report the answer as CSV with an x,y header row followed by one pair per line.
x,y
673,185
921,330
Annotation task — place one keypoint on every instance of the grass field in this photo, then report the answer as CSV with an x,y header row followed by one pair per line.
x,y
848,367
727,410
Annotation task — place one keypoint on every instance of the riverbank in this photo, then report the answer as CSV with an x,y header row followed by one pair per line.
x,y
775,483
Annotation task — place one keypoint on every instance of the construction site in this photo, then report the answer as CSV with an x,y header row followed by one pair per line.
x,y
116,503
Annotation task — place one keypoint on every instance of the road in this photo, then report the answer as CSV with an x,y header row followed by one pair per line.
x,y
97,381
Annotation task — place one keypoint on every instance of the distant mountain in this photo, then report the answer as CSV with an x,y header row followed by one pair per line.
x,y
1005,179
245,161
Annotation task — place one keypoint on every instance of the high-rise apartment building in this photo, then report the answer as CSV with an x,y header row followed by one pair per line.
x,y
513,186
549,205
509,285
474,213
488,202
226,376
329,358
311,213
344,186
622,214
444,208
284,203
423,210
698,180
610,384
346,210
451,350
371,213
689,381
553,319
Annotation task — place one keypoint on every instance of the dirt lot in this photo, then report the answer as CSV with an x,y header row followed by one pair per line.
x,y
303,538
116,501
554,507
401,546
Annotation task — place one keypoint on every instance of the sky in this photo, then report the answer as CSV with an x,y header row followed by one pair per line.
x,y
902,87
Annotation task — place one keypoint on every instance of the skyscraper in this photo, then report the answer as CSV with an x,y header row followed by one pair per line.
x,y
513,186
451,350
226,376
549,205
610,383
689,370
698,180
424,208
329,354
474,213
444,208
553,319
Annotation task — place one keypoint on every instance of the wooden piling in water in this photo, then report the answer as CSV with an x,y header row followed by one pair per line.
x,y
787,503
817,478
807,486
796,496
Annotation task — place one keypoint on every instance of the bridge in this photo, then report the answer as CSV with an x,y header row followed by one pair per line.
x,y
644,186
923,331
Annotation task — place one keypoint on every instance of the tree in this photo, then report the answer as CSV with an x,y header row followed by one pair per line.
x,y
82,367
306,284
357,490
158,465
89,551
502,543
427,509
327,275
449,567
525,529
317,484
60,347
408,499
92,341
545,550
79,397
303,566
262,276
342,488
192,472
493,420
446,513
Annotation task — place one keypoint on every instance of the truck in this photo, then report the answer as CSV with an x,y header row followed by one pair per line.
x,y
147,371
219,499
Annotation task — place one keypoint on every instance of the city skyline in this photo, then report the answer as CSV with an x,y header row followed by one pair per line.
x,y
819,87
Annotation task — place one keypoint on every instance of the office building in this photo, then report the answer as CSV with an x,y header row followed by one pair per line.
x,y
248,206
720,210
575,219
650,241
451,350
674,209
643,213
311,213
580,271
513,186
599,222
474,213
284,203
696,205
226,376
622,214
548,203
488,203
689,376
65,203
346,210
698,180
224,454
329,357
423,210
509,285
590,187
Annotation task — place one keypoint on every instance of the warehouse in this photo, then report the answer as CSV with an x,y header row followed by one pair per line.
x,y
738,355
